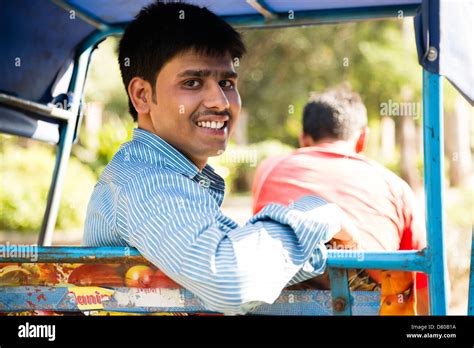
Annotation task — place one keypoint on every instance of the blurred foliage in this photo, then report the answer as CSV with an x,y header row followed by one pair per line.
x,y
26,177
113,133
104,82
461,211
298,61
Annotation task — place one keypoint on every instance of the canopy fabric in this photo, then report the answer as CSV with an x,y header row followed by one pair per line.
x,y
444,31
37,43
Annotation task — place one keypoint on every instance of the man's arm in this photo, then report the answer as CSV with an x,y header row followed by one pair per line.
x,y
231,269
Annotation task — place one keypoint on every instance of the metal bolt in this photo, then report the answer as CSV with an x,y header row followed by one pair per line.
x,y
432,54
339,304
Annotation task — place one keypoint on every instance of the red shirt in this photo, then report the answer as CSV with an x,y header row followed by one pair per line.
x,y
381,205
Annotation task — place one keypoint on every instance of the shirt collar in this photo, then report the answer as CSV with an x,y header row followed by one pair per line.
x,y
336,147
172,157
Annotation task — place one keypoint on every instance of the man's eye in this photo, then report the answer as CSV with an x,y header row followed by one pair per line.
x,y
192,83
226,84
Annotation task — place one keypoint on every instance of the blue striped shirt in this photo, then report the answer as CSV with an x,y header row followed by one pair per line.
x,y
151,197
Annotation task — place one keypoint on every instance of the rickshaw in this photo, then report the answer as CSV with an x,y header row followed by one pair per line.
x,y
53,41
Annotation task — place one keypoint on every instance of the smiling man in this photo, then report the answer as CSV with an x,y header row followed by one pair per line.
x,y
159,195
196,104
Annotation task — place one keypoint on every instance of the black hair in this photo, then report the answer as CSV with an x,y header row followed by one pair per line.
x,y
164,29
335,114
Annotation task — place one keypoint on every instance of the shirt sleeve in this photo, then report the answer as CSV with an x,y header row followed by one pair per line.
x,y
231,269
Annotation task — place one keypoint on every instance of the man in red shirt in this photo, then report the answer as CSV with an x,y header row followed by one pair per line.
x,y
329,164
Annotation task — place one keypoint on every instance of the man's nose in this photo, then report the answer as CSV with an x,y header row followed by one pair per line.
x,y
216,98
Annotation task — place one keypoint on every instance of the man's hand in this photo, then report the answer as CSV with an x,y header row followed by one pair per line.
x,y
340,229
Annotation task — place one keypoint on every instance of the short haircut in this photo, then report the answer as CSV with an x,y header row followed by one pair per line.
x,y
164,29
336,114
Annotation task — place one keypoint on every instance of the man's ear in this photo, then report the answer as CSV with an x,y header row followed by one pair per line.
x,y
140,93
362,140
305,140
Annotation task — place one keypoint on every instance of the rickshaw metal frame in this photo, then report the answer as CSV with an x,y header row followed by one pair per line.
x,y
431,260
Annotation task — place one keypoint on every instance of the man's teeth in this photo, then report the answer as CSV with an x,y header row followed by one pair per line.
x,y
213,124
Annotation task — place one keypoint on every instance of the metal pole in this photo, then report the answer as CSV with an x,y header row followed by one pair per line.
x,y
433,147
64,149
408,260
85,16
403,260
340,293
49,111
470,308
76,87
273,19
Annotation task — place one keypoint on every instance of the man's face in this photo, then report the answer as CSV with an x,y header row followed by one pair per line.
x,y
197,104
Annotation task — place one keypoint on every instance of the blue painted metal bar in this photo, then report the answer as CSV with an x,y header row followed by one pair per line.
x,y
301,18
146,301
48,111
282,20
64,147
341,296
85,16
67,131
399,260
470,308
317,17
97,36
406,260
70,254
262,7
433,145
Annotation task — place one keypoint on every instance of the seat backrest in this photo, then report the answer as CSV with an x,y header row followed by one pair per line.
x,y
132,285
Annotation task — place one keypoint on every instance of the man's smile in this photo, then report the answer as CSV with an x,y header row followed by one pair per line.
x,y
213,124
217,128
